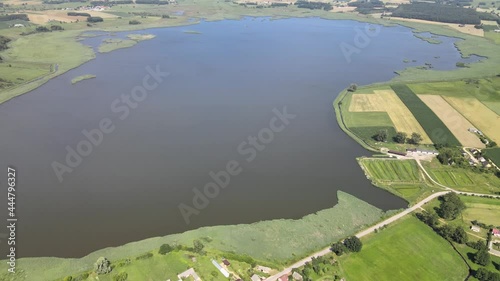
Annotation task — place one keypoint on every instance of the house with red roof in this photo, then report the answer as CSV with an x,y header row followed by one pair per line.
x,y
495,232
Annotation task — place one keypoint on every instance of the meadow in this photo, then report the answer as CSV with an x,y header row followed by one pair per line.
x,y
405,250
435,128
400,177
463,179
276,242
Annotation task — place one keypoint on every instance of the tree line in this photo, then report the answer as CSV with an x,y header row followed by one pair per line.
x,y
3,42
14,17
437,12
76,14
314,5
110,3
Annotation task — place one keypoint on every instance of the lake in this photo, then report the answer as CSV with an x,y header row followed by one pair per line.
x,y
224,85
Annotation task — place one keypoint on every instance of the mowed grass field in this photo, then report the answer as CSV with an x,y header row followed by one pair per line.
x,y
387,101
392,170
485,210
455,122
406,250
433,126
463,179
452,178
478,114
276,241
400,177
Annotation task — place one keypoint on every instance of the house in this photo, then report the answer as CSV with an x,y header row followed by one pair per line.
x,y
495,232
222,270
497,30
226,262
475,228
263,269
255,277
296,276
283,278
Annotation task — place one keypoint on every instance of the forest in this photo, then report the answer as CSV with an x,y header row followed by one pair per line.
x,y
437,12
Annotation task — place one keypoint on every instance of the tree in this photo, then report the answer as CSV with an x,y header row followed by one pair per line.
x,y
451,206
381,136
353,244
102,266
352,88
415,138
400,137
482,257
198,246
459,235
338,248
165,249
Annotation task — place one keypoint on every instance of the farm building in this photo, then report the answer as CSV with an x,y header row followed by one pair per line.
x,y
421,151
495,232
396,152
475,228
18,25
226,262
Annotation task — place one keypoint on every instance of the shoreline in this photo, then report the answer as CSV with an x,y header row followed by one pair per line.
x,y
401,75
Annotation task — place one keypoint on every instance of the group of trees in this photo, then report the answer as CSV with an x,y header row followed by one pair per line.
x,y
381,136
317,267
14,17
367,6
167,248
450,208
133,22
456,234
402,137
351,244
314,5
76,14
111,3
3,43
451,156
437,12
482,274
95,19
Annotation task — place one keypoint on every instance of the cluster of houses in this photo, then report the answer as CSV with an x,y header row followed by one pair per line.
x,y
477,158
494,231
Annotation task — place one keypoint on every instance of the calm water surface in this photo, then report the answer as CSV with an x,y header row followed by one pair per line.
x,y
222,88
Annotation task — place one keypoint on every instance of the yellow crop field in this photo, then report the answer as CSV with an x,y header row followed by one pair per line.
x,y
455,121
478,114
388,101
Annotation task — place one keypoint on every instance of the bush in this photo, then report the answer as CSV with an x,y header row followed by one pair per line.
x,y
95,19
102,266
144,256
165,249
75,14
338,248
42,29
353,244
81,277
133,22
68,278
122,276
56,27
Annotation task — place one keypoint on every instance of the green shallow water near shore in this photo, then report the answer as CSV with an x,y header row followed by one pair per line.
x,y
278,241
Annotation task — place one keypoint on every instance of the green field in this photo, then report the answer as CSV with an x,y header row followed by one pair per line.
x,y
460,179
485,210
277,241
392,170
407,250
400,177
493,154
486,90
433,126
